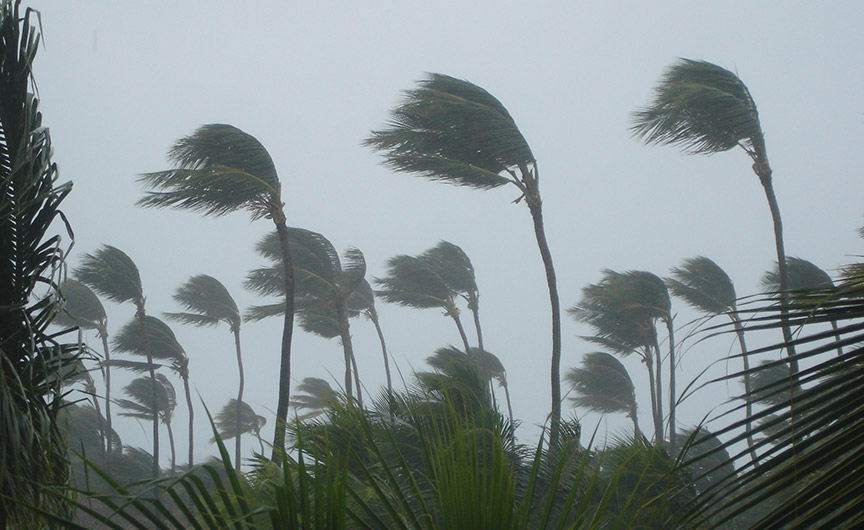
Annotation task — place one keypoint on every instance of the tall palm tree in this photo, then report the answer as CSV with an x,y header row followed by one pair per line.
x,y
707,109
31,265
623,309
805,278
82,308
141,405
450,130
139,337
113,274
705,286
220,169
208,303
603,385
317,396
455,268
229,427
364,301
324,290
413,281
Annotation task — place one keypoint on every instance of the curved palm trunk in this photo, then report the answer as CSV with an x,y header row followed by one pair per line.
x,y
748,387
555,417
103,334
656,415
474,306
239,396
348,349
140,314
287,332
507,398
634,416
764,172
658,386
672,396
373,316
185,376
171,443
455,315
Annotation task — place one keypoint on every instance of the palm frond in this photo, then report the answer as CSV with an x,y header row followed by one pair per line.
x,y
453,266
803,276
602,384
703,285
451,130
81,307
135,336
207,303
140,404
111,273
411,282
219,169
227,423
701,107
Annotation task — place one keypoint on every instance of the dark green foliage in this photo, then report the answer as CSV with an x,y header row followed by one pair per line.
x,y
32,451
207,303
228,426
113,274
135,336
602,384
704,285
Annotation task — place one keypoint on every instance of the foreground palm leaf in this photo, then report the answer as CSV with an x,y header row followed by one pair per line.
x,y
220,169
450,130
707,109
32,453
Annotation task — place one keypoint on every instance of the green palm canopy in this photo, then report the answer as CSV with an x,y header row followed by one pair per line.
x,y
603,385
111,272
451,130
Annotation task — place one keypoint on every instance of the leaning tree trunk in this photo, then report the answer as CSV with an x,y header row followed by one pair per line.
x,y
658,387
634,416
474,306
748,387
185,375
141,315
535,206
656,415
239,396
454,314
348,350
287,332
103,334
672,396
171,443
373,316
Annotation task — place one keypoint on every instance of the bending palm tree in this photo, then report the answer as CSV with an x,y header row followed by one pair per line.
x,y
706,109
229,427
705,286
412,281
455,268
324,289
141,405
113,274
208,303
221,169
603,385
317,397
451,130
83,308
151,334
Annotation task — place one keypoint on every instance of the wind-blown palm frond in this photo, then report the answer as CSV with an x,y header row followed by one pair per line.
x,y
228,426
411,282
317,395
141,394
602,384
81,307
111,273
452,130
453,266
135,337
701,107
219,169
803,276
207,303
704,285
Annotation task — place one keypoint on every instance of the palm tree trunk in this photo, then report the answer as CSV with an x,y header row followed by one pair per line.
x,y
656,415
658,386
185,377
287,332
764,172
239,396
171,443
373,315
473,305
103,334
455,315
140,314
555,416
509,406
748,387
672,396
634,416
348,349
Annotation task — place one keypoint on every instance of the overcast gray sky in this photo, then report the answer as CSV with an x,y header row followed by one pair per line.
x,y
121,81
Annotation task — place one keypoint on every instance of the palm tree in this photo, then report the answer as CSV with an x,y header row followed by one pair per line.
x,y
455,268
82,308
141,405
364,300
325,287
317,397
113,274
413,281
208,303
229,427
707,109
151,334
220,169
603,385
623,309
805,278
450,130
705,286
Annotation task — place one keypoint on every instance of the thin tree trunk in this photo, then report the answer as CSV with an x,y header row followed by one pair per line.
x,y
185,376
239,396
672,396
287,332
658,385
748,387
634,416
140,314
473,305
103,334
90,389
455,315
509,406
348,349
171,443
652,388
357,379
373,315
555,375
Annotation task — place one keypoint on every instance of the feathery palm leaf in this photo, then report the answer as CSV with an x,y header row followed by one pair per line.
x,y
81,308
140,404
136,335
228,426
602,384
803,276
316,397
207,303
111,273
704,285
